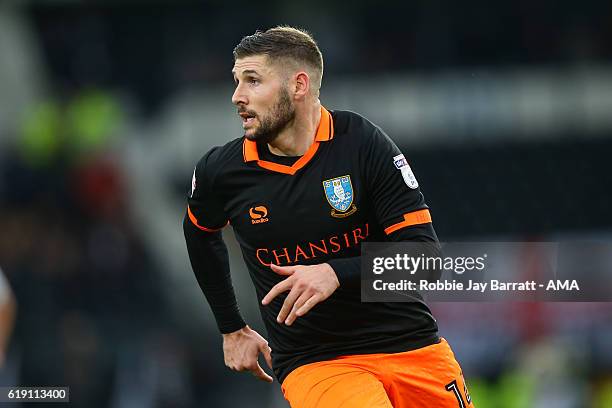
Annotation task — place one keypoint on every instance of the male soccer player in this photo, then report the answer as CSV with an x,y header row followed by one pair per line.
x,y
302,189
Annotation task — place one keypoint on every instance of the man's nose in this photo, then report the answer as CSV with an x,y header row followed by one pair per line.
x,y
239,97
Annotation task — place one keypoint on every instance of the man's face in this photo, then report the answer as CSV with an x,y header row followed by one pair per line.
x,y
262,98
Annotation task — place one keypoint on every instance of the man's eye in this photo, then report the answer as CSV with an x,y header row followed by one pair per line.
x,y
253,81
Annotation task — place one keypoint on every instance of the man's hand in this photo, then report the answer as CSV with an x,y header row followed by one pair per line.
x,y
307,286
241,350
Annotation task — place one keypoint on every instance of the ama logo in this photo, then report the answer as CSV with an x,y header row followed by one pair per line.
x,y
258,214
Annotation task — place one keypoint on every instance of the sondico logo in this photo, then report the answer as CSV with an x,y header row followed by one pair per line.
x,y
258,214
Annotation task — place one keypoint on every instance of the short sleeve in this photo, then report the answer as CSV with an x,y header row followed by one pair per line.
x,y
392,186
205,207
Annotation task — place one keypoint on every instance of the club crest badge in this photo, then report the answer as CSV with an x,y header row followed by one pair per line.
x,y
339,194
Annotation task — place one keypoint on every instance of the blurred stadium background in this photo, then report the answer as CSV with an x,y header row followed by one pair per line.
x,y
503,108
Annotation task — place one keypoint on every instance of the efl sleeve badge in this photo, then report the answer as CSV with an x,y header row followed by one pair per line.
x,y
402,165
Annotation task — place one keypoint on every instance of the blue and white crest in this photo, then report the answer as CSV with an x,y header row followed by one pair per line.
x,y
339,192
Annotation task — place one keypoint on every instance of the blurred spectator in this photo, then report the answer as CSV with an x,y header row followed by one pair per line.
x,y
8,308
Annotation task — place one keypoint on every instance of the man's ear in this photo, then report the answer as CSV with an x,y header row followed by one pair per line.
x,y
302,84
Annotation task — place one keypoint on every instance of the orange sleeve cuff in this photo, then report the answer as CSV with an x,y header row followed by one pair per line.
x,y
194,221
412,218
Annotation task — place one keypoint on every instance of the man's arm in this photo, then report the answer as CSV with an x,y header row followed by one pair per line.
x,y
398,204
204,219
202,226
210,263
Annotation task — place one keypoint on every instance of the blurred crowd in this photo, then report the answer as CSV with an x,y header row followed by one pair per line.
x,y
187,44
72,254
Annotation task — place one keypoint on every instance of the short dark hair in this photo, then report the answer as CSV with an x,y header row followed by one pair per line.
x,y
284,43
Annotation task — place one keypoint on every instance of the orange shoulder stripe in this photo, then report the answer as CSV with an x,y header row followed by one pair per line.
x,y
412,218
194,220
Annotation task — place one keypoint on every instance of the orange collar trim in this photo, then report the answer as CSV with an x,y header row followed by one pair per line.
x,y
325,132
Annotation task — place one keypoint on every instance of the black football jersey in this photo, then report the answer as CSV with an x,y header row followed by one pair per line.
x,y
352,185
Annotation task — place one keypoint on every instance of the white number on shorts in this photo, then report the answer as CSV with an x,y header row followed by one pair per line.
x,y
452,386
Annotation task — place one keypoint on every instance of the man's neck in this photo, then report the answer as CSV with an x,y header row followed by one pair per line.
x,y
297,139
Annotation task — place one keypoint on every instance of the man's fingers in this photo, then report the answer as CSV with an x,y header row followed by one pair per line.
x,y
267,353
261,374
296,306
276,290
310,303
282,270
293,295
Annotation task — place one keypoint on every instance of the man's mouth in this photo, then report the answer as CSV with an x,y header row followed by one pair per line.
x,y
247,118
